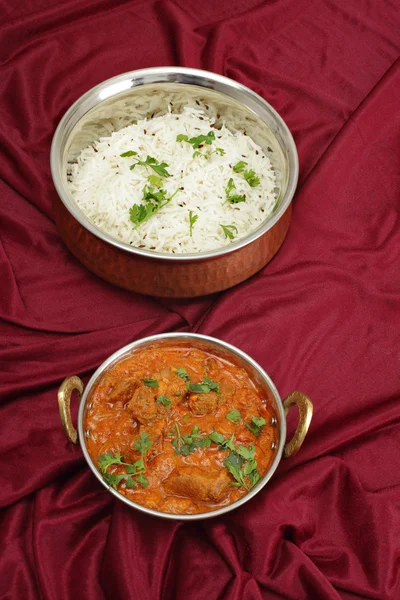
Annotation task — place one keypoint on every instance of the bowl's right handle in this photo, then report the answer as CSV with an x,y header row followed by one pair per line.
x,y
64,403
305,413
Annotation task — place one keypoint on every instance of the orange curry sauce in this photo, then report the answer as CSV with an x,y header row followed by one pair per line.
x,y
147,399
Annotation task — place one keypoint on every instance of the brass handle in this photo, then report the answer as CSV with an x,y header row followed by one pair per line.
x,y
305,411
64,403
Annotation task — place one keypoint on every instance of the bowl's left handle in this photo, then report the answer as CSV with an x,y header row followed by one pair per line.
x,y
64,403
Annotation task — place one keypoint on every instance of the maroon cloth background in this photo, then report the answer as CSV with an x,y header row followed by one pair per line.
x,y
322,317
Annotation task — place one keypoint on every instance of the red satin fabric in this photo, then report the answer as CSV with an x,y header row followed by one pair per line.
x,y
322,317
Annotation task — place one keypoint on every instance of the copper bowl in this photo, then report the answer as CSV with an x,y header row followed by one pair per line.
x,y
226,351
156,273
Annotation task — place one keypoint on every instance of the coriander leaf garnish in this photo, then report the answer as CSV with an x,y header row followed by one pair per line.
x,y
132,470
254,430
254,476
151,194
154,201
208,155
128,153
138,465
246,453
198,388
186,444
249,175
234,416
198,140
183,374
151,382
251,471
227,230
233,198
241,463
142,480
107,459
255,425
192,220
229,187
211,384
259,421
143,444
216,437
140,213
208,385
240,166
159,168
130,482
228,444
113,480
164,400
178,441
251,178
155,181
233,463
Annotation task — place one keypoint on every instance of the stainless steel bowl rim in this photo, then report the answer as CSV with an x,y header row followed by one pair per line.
x,y
185,337
124,82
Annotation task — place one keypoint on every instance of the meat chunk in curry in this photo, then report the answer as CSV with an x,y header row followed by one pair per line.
x,y
198,484
142,404
203,404
180,430
171,385
122,390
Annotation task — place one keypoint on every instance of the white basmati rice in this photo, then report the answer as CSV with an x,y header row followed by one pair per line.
x,y
105,188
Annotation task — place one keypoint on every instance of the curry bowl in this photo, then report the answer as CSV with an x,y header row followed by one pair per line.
x,y
132,96
182,426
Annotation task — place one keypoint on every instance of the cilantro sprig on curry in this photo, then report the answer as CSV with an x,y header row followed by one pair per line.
x,y
179,430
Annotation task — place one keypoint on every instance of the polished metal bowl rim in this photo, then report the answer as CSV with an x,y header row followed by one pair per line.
x,y
126,350
126,81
